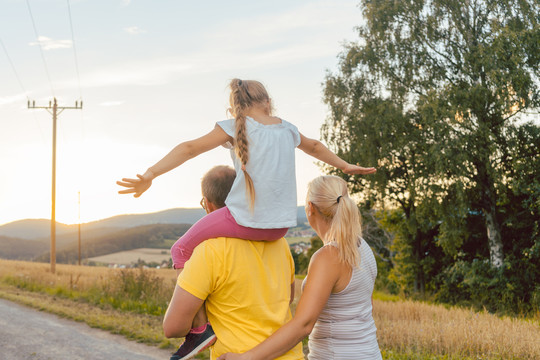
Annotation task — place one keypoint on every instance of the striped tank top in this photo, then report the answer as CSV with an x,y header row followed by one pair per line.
x,y
346,329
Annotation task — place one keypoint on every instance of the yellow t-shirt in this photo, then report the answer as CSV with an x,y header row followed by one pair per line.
x,y
246,285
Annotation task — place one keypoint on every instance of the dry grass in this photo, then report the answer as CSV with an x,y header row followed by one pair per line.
x,y
71,276
132,256
416,330
406,329
424,328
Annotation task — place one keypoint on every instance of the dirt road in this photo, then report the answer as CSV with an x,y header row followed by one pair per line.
x,y
26,333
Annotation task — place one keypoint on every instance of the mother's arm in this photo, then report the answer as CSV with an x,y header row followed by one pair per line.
x,y
323,274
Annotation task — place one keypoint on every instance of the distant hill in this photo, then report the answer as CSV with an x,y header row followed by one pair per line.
x,y
146,236
20,249
35,229
40,229
32,229
30,239
171,216
87,234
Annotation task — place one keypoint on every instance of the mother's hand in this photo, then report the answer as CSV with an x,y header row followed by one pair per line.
x,y
233,356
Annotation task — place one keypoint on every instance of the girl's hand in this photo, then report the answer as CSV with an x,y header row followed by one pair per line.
x,y
135,186
358,170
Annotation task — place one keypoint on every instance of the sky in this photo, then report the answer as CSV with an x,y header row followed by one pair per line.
x,y
151,74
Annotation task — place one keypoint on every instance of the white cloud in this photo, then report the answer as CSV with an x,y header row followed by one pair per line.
x,y
111,103
302,34
316,21
126,2
50,44
150,72
134,30
11,99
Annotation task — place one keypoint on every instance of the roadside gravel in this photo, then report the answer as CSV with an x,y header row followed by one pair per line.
x,y
26,333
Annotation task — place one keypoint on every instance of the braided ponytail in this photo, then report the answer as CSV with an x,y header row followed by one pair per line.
x,y
242,152
245,94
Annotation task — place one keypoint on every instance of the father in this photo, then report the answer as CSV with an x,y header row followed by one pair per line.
x,y
246,286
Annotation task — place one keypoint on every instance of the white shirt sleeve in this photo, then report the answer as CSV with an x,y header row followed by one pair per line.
x,y
228,127
294,131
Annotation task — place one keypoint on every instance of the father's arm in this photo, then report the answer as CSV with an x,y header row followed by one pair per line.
x,y
180,313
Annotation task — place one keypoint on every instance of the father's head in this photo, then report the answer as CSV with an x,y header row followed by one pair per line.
x,y
215,186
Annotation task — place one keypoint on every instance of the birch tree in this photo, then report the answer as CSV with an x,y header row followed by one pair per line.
x,y
461,73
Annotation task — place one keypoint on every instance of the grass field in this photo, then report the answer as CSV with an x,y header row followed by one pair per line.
x,y
131,302
132,256
293,240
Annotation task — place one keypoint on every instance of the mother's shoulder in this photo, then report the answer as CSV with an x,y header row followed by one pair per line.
x,y
327,253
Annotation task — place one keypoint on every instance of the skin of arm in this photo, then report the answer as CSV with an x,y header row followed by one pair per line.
x,y
180,313
323,274
317,149
176,157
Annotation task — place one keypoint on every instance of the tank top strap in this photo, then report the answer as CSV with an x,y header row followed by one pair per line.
x,y
332,243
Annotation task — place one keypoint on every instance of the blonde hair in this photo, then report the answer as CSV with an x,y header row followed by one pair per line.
x,y
244,95
330,197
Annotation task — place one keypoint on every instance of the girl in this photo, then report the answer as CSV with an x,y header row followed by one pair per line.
x,y
262,202
335,308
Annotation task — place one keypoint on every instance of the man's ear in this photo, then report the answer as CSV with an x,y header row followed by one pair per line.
x,y
210,206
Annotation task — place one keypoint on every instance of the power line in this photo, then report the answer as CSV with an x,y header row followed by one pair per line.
x,y
22,87
40,47
74,50
81,144
13,68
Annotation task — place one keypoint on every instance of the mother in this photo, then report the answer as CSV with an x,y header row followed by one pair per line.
x,y
335,308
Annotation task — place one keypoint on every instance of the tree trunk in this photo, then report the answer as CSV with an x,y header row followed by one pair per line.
x,y
419,278
496,254
488,204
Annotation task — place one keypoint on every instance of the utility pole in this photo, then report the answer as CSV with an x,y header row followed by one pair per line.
x,y
54,110
79,228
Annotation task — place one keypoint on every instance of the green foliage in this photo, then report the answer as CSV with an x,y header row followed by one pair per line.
x,y
477,284
138,291
301,261
384,296
433,94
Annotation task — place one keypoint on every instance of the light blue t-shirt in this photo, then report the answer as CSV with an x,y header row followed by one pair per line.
x,y
271,166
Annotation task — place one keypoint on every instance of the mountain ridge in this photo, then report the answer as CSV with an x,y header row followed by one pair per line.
x,y
29,239
39,229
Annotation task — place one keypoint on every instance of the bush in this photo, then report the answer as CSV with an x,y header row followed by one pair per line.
x,y
137,290
512,289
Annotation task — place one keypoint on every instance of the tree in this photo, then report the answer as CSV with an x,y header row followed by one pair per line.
x,y
431,90
301,260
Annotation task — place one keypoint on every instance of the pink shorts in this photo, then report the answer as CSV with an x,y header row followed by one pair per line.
x,y
219,223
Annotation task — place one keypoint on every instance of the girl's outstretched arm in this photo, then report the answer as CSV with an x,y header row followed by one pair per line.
x,y
180,154
317,149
